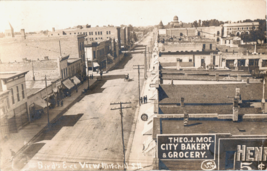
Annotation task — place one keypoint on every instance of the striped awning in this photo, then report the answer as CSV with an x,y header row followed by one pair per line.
x,y
68,84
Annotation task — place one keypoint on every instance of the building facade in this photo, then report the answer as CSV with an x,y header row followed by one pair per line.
x,y
14,112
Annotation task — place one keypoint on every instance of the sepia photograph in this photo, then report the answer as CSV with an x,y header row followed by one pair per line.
x,y
133,85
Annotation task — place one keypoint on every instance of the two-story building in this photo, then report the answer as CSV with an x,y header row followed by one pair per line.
x,y
13,98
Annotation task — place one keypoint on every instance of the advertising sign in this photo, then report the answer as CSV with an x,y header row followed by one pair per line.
x,y
242,154
186,146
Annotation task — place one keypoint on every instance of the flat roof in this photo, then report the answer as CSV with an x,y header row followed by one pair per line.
x,y
188,52
208,125
209,93
8,75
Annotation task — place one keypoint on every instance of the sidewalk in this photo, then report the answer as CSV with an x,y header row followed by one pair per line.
x,y
137,154
20,140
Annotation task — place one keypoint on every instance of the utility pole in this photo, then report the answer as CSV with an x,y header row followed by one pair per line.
x,y
122,136
60,48
33,77
145,63
47,101
138,67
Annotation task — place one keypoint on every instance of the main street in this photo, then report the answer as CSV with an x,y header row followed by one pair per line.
x,y
89,132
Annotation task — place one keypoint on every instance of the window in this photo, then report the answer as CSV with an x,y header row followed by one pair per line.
x,y
204,46
22,90
95,33
70,33
210,46
12,96
190,60
94,55
107,32
18,93
96,38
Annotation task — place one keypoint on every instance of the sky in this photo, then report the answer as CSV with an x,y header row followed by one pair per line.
x,y
43,15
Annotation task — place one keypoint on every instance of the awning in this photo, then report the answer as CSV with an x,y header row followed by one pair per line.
x,y
76,80
95,64
55,90
148,129
110,57
68,84
149,145
40,102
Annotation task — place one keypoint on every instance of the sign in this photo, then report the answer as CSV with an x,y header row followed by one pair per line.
x,y
186,146
144,117
242,154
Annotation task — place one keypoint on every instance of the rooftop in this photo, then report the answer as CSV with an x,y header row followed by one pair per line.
x,y
9,75
209,125
34,48
241,24
209,93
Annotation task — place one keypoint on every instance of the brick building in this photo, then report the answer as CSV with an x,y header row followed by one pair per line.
x,y
90,33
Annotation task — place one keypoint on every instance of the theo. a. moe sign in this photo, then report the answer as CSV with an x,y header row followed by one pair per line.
x,y
186,146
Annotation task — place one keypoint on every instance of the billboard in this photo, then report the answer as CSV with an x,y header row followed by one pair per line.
x,y
186,146
242,154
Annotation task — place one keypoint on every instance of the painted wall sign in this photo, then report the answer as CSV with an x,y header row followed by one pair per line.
x,y
242,154
196,147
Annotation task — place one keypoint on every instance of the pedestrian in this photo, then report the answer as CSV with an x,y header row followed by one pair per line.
x,y
57,103
144,99
101,74
61,102
141,99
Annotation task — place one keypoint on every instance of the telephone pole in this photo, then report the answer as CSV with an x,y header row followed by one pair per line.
x,y
145,63
122,136
47,101
138,67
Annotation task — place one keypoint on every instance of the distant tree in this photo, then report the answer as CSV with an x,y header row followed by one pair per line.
x,y
195,24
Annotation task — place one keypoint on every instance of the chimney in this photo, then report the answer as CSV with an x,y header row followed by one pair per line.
x,y
217,76
235,104
53,29
247,81
182,102
263,96
186,118
22,32
178,63
235,109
